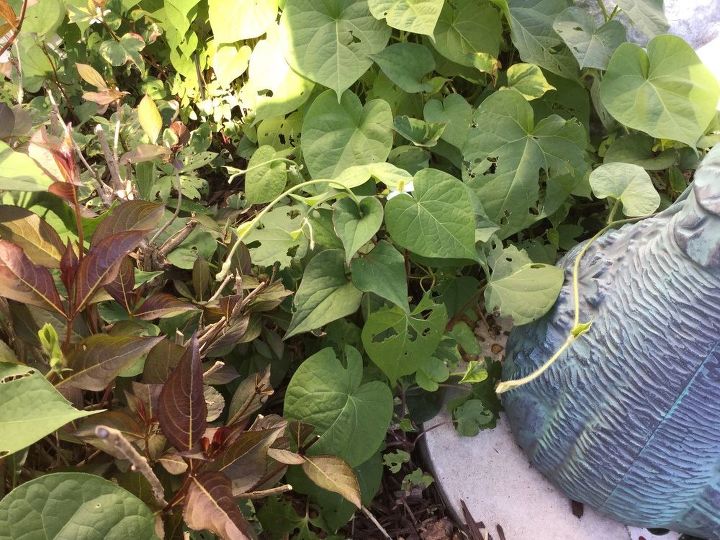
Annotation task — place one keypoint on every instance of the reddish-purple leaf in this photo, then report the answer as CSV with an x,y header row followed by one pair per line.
x,y
162,305
102,264
68,266
129,216
245,460
97,360
121,288
182,411
25,282
209,505
39,241
161,361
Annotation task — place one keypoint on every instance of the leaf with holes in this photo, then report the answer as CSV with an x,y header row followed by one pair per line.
x,y
331,42
437,221
397,341
338,135
102,264
512,150
25,282
39,241
592,46
627,183
98,359
209,504
182,411
30,408
349,417
74,505
333,474
356,223
416,16
325,293
666,92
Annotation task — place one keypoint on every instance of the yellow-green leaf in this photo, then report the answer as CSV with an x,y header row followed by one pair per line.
x,y
150,119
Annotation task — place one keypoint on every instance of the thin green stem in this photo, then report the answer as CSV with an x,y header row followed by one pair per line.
x,y
613,211
604,10
245,228
238,172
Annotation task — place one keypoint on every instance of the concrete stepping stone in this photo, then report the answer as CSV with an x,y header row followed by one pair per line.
x,y
492,476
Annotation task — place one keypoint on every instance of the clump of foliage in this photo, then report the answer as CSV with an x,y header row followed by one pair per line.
x,y
241,240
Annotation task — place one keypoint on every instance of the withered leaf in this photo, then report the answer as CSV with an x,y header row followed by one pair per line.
x,y
333,474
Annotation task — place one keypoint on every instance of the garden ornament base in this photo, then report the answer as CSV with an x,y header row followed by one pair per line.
x,y
626,420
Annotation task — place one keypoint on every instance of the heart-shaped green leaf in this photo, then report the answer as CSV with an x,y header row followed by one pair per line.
x,y
437,221
382,272
630,184
349,417
336,136
591,46
416,16
666,92
467,28
406,64
356,223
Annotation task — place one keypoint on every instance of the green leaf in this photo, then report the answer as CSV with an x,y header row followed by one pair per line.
x,y
465,29
475,373
331,42
337,135
149,118
233,20
325,293
531,30
471,416
350,418
648,16
356,224
630,184
273,89
430,372
382,272
438,221
507,139
266,177
522,290
666,92
30,408
229,62
637,148
417,16
456,113
74,505
419,132
333,474
528,79
19,172
591,46
397,342
406,64
126,49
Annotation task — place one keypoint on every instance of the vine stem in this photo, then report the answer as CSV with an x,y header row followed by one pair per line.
x,y
578,328
602,7
12,38
244,229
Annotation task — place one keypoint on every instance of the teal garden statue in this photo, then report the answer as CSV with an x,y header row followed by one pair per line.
x,y
628,419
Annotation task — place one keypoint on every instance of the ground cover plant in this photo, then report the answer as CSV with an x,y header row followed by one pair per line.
x,y
247,245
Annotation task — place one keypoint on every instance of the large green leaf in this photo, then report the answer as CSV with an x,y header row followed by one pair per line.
x,y
329,41
437,221
456,113
507,141
630,184
398,342
406,64
417,16
325,293
521,289
466,28
350,417
19,172
30,408
266,176
356,223
229,62
337,135
382,272
666,92
591,46
531,30
273,89
74,505
233,20
648,16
